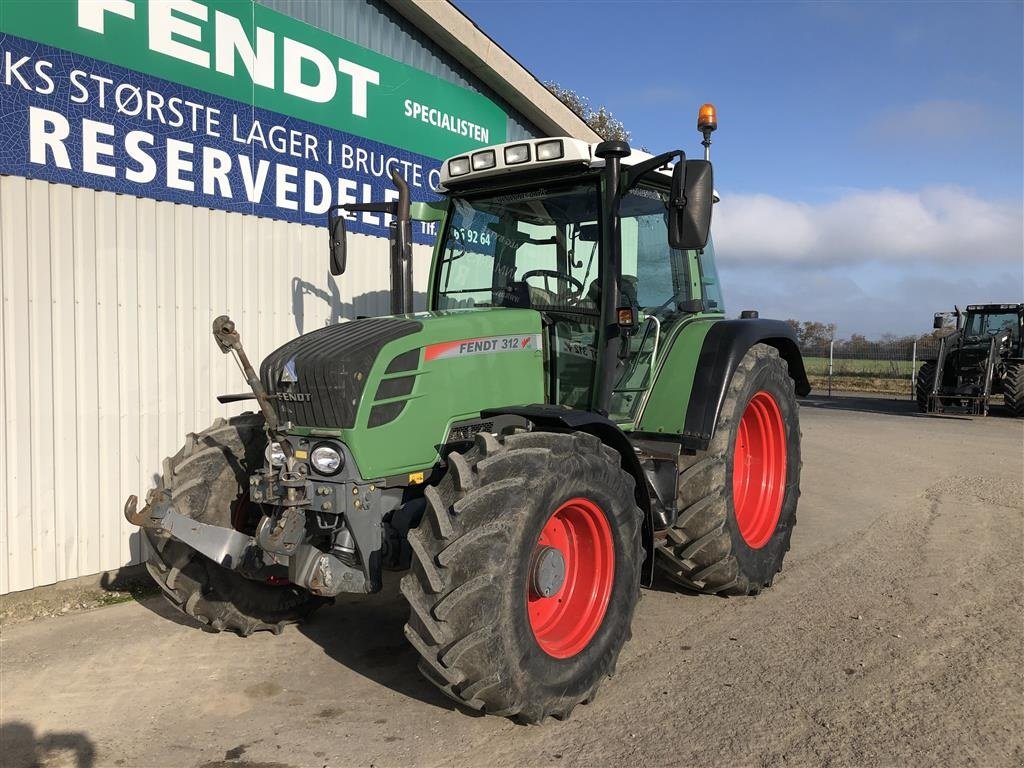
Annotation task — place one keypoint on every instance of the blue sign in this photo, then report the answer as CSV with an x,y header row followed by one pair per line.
x,y
71,119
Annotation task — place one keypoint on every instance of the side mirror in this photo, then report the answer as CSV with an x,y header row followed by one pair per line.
x,y
689,216
336,231
939,323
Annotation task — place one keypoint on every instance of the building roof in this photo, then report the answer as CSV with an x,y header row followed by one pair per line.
x,y
464,41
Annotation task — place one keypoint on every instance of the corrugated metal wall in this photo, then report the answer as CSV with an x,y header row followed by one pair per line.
x,y
107,357
376,25
105,346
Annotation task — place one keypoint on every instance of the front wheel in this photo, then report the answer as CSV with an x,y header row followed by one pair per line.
x,y
1013,389
925,384
526,573
737,500
208,481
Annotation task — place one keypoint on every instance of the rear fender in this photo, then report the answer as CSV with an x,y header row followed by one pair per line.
x,y
556,419
709,372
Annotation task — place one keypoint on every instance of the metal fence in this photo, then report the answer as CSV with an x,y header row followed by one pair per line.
x,y
886,367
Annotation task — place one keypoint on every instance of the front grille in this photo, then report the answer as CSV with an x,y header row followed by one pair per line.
x,y
331,365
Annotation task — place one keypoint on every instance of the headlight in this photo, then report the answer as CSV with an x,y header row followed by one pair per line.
x,y
275,455
326,460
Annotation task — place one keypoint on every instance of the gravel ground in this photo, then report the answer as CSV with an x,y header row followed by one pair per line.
x,y
894,636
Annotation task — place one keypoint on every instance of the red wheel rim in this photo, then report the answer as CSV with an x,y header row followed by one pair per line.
x,y
759,470
567,620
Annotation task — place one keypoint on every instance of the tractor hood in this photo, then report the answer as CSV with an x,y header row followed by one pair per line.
x,y
390,387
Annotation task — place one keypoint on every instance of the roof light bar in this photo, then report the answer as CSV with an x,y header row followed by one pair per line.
x,y
515,156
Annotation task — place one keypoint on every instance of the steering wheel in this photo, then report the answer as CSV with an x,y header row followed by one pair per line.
x,y
563,276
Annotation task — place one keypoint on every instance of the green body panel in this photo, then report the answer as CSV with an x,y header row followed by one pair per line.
x,y
665,410
446,390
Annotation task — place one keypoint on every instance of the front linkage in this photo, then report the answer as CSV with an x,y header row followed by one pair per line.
x,y
311,522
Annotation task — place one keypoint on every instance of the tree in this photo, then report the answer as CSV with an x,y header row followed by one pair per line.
x,y
810,333
601,120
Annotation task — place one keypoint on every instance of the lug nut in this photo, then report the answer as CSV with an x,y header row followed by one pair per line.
x,y
357,504
355,491
372,488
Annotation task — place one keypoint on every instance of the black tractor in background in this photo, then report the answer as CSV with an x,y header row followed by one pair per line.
x,y
983,357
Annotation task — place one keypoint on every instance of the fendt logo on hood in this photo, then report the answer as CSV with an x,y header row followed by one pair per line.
x,y
294,397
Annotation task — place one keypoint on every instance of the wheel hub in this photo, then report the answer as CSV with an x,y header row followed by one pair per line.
x,y
548,572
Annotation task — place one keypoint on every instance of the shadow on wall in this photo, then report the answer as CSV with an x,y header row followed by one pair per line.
x,y
370,304
22,748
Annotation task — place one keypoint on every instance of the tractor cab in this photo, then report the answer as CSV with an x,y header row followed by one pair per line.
x,y
526,229
984,321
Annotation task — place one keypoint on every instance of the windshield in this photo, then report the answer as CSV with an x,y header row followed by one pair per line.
x,y
991,323
540,249
533,249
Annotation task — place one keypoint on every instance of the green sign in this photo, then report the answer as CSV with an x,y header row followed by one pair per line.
x,y
244,51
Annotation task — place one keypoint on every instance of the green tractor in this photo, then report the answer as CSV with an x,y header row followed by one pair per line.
x,y
982,357
571,413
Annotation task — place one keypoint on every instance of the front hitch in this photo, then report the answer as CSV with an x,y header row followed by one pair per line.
x,y
225,546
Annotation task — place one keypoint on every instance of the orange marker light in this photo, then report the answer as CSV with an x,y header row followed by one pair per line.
x,y
707,118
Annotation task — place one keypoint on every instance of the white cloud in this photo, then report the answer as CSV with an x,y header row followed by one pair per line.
x,y
931,227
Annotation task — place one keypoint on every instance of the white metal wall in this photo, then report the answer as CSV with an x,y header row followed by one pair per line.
x,y
107,357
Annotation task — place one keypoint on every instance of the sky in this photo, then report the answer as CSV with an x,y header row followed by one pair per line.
x,y
869,155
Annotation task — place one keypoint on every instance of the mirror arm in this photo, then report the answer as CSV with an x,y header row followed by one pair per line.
x,y
389,208
636,174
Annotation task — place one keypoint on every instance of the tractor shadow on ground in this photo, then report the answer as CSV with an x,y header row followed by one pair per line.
x,y
365,634
885,405
888,405
24,748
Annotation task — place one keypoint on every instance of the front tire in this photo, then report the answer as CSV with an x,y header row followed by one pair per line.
x,y
925,383
208,481
1013,389
526,573
737,500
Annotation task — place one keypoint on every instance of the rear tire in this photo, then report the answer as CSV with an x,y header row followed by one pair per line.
x,y
925,383
1013,389
478,624
710,548
208,481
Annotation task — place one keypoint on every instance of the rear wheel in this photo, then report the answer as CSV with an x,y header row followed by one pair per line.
x,y
737,500
526,573
208,481
925,383
1013,389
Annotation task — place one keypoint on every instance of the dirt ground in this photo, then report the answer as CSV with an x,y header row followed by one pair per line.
x,y
894,636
